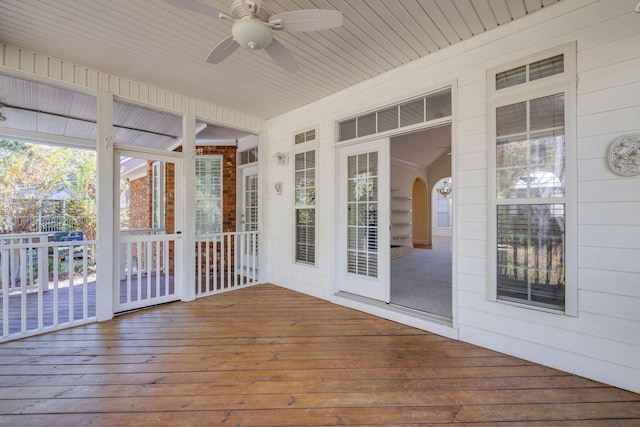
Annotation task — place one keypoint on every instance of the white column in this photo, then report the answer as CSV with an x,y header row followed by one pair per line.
x,y
188,217
108,215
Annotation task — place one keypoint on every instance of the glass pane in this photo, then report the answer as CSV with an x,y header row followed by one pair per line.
x,y
511,119
512,77
547,113
310,159
300,179
531,254
412,112
347,130
362,227
439,105
373,163
388,119
546,67
367,125
299,161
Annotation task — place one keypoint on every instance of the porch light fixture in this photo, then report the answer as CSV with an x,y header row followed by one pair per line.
x,y
446,189
281,158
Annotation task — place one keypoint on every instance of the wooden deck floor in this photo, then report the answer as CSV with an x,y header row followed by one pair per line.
x,y
269,356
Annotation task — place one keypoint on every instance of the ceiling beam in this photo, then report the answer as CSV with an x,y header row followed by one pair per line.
x,y
47,138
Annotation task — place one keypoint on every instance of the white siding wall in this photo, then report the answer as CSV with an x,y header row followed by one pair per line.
x,y
603,341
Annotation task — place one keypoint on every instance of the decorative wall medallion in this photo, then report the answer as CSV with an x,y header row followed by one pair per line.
x,y
624,155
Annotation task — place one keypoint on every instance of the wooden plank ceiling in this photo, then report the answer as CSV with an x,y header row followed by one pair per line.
x,y
154,42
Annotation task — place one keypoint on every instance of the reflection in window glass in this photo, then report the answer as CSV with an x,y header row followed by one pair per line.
x,y
531,254
305,212
530,148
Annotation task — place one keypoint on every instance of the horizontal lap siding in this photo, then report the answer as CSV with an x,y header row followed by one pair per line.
x,y
602,342
608,204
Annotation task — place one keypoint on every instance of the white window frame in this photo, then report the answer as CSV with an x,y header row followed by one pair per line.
x,y
211,157
158,194
299,148
435,229
564,82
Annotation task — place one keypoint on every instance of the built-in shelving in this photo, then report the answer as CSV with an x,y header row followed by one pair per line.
x,y
401,225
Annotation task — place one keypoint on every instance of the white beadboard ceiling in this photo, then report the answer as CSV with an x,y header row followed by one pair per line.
x,y
153,42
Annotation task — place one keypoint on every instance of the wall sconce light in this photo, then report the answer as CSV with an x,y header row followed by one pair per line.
x,y
281,158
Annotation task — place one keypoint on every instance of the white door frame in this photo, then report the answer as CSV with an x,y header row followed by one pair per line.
x,y
242,173
176,237
377,288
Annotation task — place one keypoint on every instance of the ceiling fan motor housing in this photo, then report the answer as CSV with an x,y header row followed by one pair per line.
x,y
252,33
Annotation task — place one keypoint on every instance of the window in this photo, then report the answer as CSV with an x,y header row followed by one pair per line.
x,y
248,156
443,207
305,210
433,106
208,195
157,191
530,109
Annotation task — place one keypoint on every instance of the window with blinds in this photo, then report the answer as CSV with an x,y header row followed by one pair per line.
x,y
157,195
530,202
305,206
208,189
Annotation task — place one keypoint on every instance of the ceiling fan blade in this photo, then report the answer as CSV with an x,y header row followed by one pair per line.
x,y
225,48
282,56
195,6
306,20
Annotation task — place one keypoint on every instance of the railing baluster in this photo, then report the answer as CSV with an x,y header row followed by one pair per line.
x,y
71,284
56,278
216,267
5,254
139,251
158,264
23,286
208,265
43,284
229,263
85,282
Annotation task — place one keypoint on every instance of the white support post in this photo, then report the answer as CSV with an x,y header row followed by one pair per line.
x,y
186,221
108,216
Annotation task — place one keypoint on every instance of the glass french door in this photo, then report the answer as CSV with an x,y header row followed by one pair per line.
x,y
363,220
249,220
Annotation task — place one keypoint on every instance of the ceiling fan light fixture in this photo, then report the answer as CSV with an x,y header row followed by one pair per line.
x,y
251,33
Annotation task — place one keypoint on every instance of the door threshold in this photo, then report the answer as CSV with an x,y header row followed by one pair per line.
x,y
407,316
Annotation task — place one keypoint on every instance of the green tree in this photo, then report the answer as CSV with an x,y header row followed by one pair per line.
x,y
33,176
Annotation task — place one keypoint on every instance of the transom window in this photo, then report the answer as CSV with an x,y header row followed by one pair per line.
x,y
433,106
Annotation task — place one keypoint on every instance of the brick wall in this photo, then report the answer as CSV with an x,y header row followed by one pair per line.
x,y
140,193
140,202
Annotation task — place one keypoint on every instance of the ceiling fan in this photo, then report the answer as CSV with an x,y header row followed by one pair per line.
x,y
253,26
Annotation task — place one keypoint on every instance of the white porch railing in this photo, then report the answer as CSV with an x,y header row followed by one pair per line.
x,y
147,269
226,261
44,285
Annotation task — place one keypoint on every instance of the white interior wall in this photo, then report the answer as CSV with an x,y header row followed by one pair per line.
x,y
603,341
